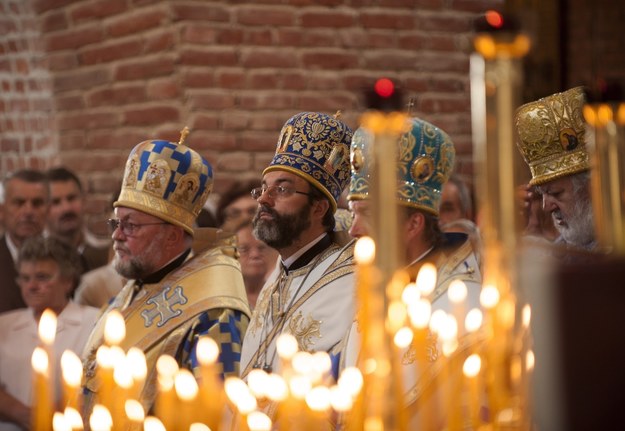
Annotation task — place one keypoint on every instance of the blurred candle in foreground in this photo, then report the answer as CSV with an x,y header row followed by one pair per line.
x,y
114,328
71,368
42,406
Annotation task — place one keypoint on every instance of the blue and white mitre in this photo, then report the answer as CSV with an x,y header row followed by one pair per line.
x,y
315,146
425,161
167,180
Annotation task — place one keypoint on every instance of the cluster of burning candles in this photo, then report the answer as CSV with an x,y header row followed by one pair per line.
x,y
302,395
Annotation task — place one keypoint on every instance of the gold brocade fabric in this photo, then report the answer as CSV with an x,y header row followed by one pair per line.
x,y
161,315
551,136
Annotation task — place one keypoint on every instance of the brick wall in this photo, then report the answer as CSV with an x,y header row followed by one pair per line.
x,y
26,97
123,71
596,47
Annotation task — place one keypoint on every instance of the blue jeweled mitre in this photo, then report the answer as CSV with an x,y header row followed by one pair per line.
x,y
425,162
315,146
167,180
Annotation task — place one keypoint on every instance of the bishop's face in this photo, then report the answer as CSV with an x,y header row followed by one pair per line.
x,y
284,209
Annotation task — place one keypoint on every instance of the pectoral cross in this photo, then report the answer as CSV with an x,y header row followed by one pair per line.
x,y
163,306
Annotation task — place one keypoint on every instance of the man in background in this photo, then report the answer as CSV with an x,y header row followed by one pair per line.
x,y
24,213
66,218
456,202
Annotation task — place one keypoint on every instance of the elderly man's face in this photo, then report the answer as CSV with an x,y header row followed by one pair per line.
x,y
25,209
571,212
138,253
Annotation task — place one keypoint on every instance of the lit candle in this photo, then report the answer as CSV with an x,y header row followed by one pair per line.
x,y
211,391
471,370
186,390
152,423
167,367
318,401
258,421
135,414
59,423
139,370
100,419
74,419
240,396
71,368
123,385
114,328
42,391
104,373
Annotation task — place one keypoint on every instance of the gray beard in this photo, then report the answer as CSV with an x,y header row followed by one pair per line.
x,y
580,231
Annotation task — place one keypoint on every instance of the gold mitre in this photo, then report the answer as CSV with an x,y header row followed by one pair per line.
x,y
551,136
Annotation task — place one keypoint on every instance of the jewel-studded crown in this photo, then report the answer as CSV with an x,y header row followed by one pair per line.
x,y
315,146
425,161
167,180
551,136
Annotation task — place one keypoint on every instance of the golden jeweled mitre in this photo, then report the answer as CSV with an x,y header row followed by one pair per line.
x,y
551,136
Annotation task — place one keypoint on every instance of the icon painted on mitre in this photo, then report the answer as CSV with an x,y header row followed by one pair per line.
x,y
130,180
568,139
422,169
156,177
186,189
357,160
284,139
336,157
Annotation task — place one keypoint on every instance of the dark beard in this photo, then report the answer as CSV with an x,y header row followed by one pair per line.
x,y
282,230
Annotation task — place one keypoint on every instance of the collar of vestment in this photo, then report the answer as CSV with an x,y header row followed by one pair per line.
x,y
309,252
161,273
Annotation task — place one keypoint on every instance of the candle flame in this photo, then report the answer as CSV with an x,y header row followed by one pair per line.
x,y
186,385
39,360
207,351
299,386
529,360
364,251
526,315
258,421
457,291
403,337
100,419
59,423
152,423
340,399
122,375
318,399
258,382
302,362
71,368
287,346
410,294
472,365
47,327
437,321
114,328
134,410
351,381
473,321
489,296
420,313
426,279
277,389
197,426
73,418
135,359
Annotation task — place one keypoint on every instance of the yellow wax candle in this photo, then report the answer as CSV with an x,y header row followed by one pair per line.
x,y
71,368
121,392
167,367
135,414
135,359
104,373
73,419
187,391
42,391
471,370
211,391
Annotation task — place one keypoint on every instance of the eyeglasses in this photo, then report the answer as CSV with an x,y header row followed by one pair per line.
x,y
275,192
39,278
127,227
